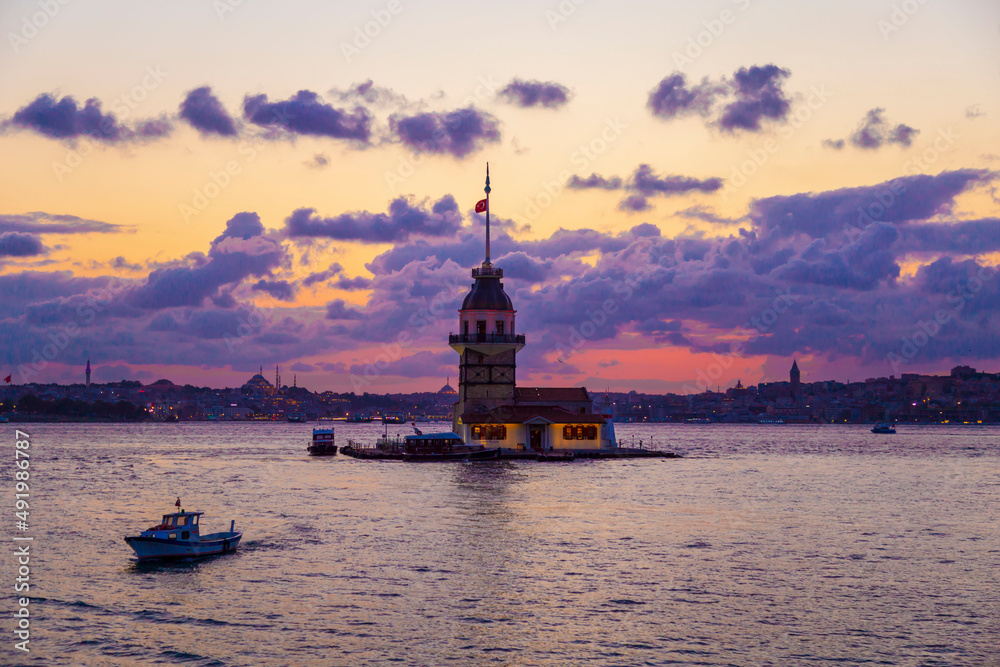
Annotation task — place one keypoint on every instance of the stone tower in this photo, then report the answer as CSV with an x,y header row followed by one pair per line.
x,y
793,378
486,343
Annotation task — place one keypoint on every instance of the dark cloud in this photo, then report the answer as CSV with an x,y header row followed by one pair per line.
x,y
707,215
338,310
352,284
47,223
403,221
322,276
18,244
644,184
279,289
203,110
369,93
245,225
673,98
874,132
835,144
240,252
549,94
305,113
634,204
758,97
65,119
594,181
908,198
456,133
647,183
421,364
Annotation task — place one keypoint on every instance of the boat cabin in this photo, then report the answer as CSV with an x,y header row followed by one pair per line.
x,y
432,443
177,525
323,436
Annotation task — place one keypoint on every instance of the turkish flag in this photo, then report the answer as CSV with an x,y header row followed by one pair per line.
x,y
178,503
480,206
7,379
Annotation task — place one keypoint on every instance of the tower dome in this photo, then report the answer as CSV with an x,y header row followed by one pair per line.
x,y
487,292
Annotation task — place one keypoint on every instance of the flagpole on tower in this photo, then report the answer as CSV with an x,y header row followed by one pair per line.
x,y
487,190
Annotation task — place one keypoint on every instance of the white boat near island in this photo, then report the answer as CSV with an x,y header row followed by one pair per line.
x,y
179,536
884,427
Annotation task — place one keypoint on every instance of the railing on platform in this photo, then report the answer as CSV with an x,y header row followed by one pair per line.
x,y
487,273
486,339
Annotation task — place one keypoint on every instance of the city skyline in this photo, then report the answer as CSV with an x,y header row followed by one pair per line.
x,y
677,203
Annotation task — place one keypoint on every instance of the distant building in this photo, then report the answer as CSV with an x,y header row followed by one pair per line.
x,y
794,379
88,373
447,390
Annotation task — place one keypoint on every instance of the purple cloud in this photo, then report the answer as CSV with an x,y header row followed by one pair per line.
x,y
64,119
874,132
404,220
279,289
203,110
673,98
322,276
456,133
338,310
18,244
47,223
594,181
549,94
758,97
305,113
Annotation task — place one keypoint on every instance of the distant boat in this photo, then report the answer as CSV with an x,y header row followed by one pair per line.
x,y
296,418
322,442
393,419
884,427
178,536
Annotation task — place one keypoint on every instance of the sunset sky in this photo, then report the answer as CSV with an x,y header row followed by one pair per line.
x,y
683,193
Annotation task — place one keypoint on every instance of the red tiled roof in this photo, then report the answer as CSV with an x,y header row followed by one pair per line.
x,y
523,413
550,394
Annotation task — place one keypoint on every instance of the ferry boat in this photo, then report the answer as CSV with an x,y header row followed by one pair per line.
x,y
322,443
884,427
359,419
179,536
393,419
444,447
296,418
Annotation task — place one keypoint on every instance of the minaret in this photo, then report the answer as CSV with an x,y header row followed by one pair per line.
x,y
88,373
486,343
793,378
277,380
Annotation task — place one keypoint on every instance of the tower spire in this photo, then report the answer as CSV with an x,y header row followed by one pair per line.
x,y
487,191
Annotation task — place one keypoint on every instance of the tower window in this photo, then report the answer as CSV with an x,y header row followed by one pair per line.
x,y
500,328
481,326
465,327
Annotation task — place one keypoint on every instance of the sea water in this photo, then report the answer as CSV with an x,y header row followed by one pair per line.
x,y
763,545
